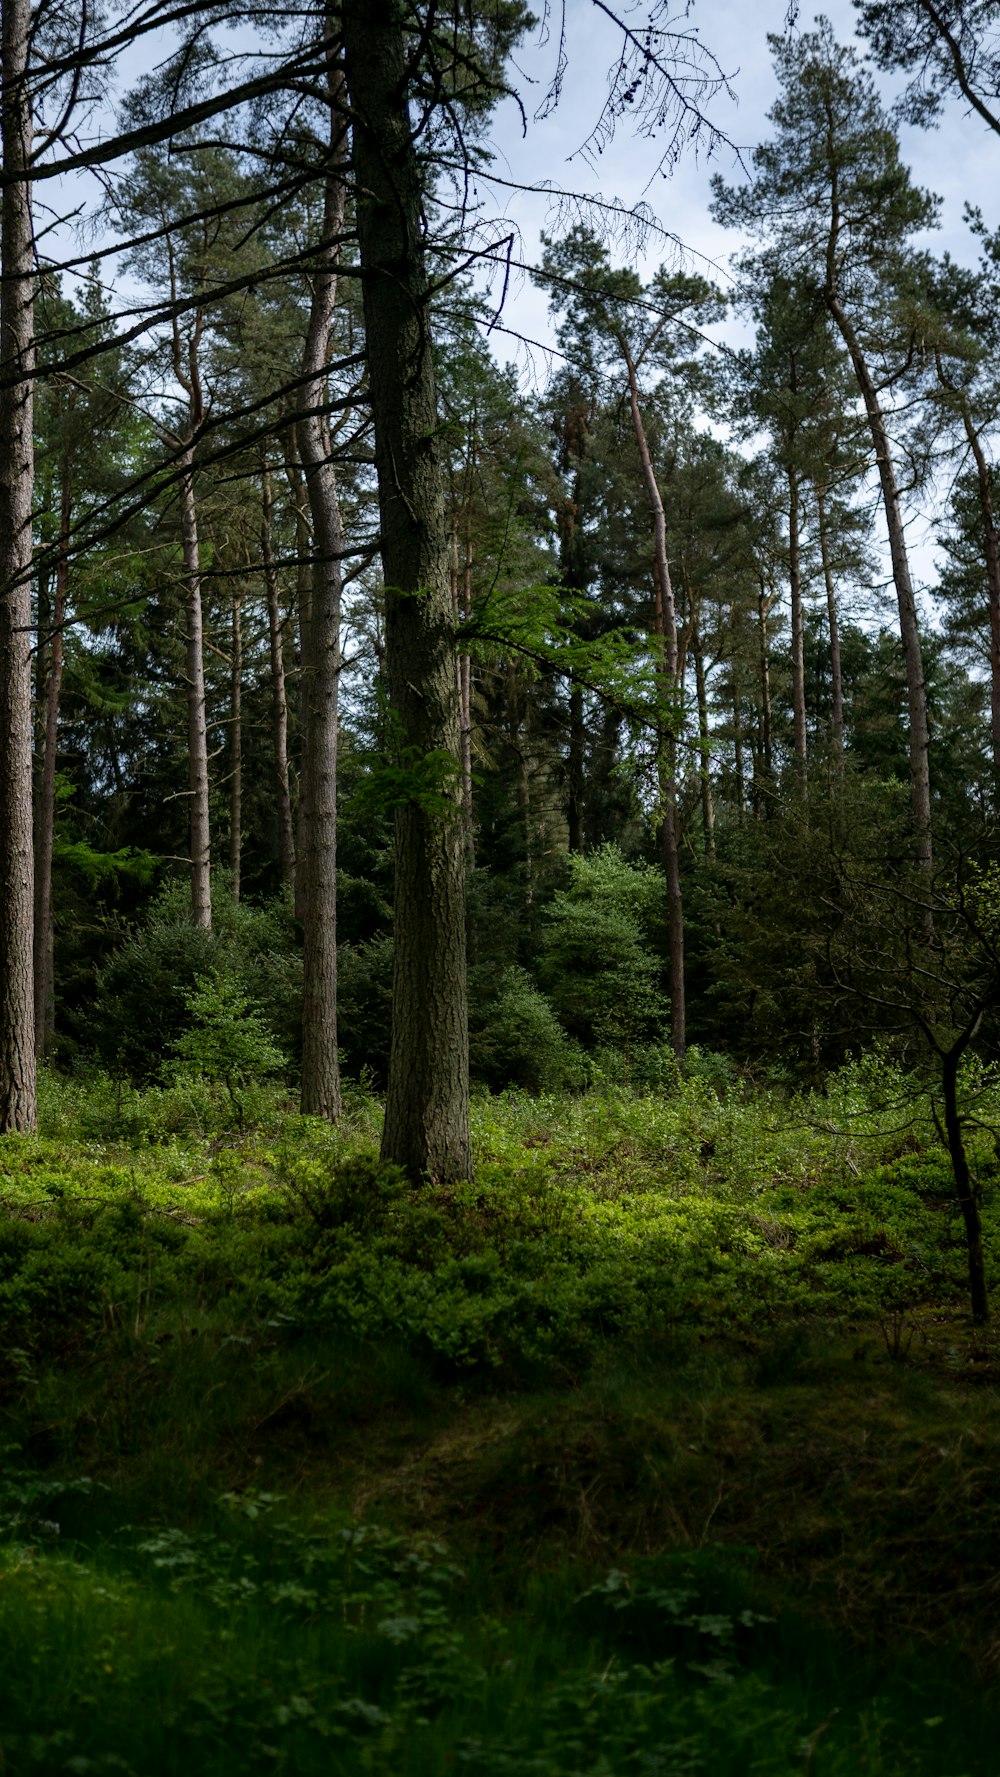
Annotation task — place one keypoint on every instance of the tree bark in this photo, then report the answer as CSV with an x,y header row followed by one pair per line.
x,y
798,651
201,845
991,553
665,631
279,701
17,364
704,744
236,747
978,1297
320,1095
426,1119
916,692
45,812
833,617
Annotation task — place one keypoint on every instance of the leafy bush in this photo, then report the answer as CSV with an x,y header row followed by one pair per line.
x,y
599,968
140,1008
227,1042
522,1042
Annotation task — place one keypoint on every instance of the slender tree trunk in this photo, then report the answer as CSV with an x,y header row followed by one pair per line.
x,y
321,653
426,1118
45,812
303,576
836,678
991,553
916,692
17,364
201,848
279,703
236,747
765,745
967,1202
575,772
798,650
740,770
704,745
665,629
465,702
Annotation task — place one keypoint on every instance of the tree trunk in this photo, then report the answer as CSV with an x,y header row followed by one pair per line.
x,y
764,733
45,812
201,851
704,745
916,693
17,364
279,703
665,630
836,679
967,1202
798,651
991,552
321,652
574,768
426,1118
236,747
303,577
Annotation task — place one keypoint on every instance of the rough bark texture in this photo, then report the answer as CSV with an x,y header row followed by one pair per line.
x,y
279,700
426,1121
798,651
321,653
17,270
236,748
704,744
665,629
45,812
201,847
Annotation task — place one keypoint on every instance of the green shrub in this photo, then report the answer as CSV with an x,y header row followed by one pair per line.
x,y
522,1042
599,968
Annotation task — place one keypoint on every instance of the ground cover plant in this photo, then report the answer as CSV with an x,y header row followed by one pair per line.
x,y
666,1445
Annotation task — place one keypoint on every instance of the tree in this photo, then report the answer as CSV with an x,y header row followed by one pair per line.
x,y
17,355
832,187
426,1120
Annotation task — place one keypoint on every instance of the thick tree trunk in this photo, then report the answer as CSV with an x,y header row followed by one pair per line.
x,y
17,364
279,702
236,748
321,654
201,850
798,650
45,811
426,1118
833,617
665,630
916,692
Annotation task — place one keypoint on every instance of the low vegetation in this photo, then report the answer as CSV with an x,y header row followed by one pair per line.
x,y
666,1446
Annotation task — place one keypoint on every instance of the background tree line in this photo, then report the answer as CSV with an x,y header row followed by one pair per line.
x,y
348,676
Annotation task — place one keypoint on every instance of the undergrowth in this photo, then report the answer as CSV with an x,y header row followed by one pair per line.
x,y
664,1446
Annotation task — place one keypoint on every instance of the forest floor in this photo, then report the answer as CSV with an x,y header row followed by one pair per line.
x,y
668,1447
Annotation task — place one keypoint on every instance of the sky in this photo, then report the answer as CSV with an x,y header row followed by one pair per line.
x,y
959,161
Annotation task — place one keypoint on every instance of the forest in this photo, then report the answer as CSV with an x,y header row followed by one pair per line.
x,y
499,900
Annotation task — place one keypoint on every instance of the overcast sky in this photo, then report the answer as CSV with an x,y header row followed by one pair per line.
x,y
960,160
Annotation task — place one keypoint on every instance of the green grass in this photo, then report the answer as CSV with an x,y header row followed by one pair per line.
x,y
667,1447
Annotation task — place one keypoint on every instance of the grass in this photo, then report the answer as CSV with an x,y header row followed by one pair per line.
x,y
666,1448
